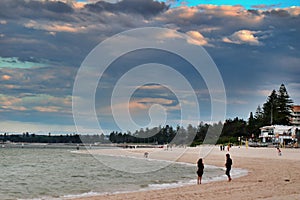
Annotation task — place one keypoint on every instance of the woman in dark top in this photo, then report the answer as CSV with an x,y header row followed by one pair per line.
x,y
228,166
200,170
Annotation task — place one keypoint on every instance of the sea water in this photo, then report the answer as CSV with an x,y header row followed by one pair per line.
x,y
43,173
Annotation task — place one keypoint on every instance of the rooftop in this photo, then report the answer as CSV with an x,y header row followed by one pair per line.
x,y
296,108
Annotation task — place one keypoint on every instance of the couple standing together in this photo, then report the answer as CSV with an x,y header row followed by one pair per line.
x,y
201,168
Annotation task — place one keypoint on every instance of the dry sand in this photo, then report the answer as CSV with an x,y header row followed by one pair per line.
x,y
270,177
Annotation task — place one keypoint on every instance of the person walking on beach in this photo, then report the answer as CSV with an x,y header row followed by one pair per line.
x,y
146,154
228,147
200,166
228,166
279,151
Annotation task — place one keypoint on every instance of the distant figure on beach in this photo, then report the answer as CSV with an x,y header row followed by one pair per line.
x,y
279,151
146,154
228,166
200,166
228,147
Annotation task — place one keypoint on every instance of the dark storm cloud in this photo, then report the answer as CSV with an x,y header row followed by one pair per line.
x,y
35,9
277,13
40,30
143,7
58,32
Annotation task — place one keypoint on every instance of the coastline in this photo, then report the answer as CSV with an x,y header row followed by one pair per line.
x,y
269,176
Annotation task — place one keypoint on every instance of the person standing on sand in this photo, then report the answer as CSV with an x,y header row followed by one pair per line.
x,y
228,166
200,166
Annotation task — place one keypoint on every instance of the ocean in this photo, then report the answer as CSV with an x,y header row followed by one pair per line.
x,y
59,173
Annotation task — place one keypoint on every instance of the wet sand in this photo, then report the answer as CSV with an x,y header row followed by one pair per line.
x,y
270,177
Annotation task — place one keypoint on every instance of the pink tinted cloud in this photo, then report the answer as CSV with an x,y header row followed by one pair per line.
x,y
6,77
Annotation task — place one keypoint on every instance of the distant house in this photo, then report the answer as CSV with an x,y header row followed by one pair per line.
x,y
280,134
295,115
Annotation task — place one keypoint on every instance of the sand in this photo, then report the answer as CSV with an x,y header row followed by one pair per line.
x,y
270,176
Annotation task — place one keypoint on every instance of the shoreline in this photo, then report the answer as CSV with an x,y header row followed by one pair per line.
x,y
139,154
269,176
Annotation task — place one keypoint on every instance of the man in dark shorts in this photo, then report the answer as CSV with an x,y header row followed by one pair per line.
x,y
228,166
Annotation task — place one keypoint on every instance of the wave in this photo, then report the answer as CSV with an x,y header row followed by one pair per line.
x,y
187,176
235,173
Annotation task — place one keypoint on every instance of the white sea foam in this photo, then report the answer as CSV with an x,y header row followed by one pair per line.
x,y
235,173
86,194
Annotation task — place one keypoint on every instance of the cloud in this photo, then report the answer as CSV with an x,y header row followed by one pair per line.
x,y
33,102
35,109
209,29
43,80
186,12
78,5
138,105
265,6
182,14
237,102
146,8
196,38
294,11
47,109
53,28
41,51
97,21
149,101
265,92
283,12
243,37
8,100
6,77
169,34
152,87
223,10
51,9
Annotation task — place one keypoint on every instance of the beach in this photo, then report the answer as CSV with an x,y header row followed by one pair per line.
x,y
270,176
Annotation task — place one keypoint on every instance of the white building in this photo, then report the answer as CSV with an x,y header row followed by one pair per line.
x,y
280,134
295,115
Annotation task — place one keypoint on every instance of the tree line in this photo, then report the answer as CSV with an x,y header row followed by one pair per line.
x,y
68,138
276,110
212,133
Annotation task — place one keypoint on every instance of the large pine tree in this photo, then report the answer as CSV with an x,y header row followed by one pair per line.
x,y
270,109
258,113
257,122
276,110
251,124
284,106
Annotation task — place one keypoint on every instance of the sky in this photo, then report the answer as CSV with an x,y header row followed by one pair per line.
x,y
247,4
45,45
